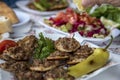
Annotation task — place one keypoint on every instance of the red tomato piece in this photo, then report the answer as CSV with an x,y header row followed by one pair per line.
x,y
6,44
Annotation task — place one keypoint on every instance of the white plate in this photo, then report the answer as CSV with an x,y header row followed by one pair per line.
x,y
5,36
112,73
114,32
56,36
41,22
23,5
8,76
24,24
23,29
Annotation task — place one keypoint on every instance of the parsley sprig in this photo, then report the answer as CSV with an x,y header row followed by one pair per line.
x,y
45,47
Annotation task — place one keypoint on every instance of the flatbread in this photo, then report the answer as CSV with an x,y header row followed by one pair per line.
x,y
0,37
5,25
5,10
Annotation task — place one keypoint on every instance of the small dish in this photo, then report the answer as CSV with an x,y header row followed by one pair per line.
x,y
24,25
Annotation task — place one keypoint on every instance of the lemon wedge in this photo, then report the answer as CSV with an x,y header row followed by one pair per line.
x,y
109,23
78,3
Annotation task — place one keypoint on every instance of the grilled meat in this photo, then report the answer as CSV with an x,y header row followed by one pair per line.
x,y
28,75
57,73
84,51
74,60
6,57
67,44
17,53
43,65
13,66
81,54
58,55
29,43
23,51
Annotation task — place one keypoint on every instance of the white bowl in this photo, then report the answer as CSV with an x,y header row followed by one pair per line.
x,y
114,32
24,22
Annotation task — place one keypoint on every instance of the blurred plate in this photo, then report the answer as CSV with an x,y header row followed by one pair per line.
x,y
114,32
23,5
41,22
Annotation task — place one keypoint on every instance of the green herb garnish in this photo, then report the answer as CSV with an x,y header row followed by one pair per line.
x,y
45,47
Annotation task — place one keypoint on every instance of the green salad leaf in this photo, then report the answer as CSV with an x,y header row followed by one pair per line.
x,y
42,5
108,11
38,6
45,47
45,3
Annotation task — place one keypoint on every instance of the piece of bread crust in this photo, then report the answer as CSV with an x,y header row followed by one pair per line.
x,y
5,10
5,24
0,37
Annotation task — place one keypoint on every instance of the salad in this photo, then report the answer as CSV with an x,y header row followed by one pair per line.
x,y
48,5
71,21
109,15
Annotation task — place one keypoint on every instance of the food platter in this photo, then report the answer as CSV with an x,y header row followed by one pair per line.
x,y
55,37
114,32
23,5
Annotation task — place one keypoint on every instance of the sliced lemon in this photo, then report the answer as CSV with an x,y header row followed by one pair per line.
x,y
78,3
109,23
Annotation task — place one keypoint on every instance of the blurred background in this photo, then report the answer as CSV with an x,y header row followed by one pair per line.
x,y
10,3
